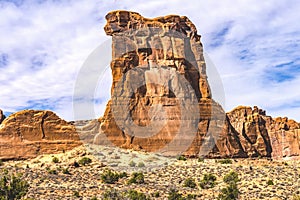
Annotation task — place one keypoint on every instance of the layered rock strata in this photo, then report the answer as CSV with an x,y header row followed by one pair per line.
x,y
161,99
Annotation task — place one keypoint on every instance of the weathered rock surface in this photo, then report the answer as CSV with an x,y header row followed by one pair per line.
x,y
28,133
2,116
161,99
257,134
157,64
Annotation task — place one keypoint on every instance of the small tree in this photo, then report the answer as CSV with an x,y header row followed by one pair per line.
x,y
12,186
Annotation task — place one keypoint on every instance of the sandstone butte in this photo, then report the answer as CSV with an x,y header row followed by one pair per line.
x,y
157,67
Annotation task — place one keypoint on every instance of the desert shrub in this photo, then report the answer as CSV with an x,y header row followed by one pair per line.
x,y
94,198
189,182
201,159
75,164
230,192
66,171
12,186
52,171
112,194
182,157
110,177
123,175
231,177
175,195
141,164
191,197
225,161
55,160
132,164
1,162
85,161
135,195
270,182
156,194
296,197
208,181
76,194
136,177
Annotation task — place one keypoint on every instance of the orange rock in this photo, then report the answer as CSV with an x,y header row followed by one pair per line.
x,y
28,133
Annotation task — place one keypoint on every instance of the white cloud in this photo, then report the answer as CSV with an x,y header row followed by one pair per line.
x,y
59,35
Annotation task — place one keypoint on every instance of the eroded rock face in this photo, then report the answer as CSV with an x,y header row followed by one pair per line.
x,y
28,133
2,116
159,87
160,83
261,135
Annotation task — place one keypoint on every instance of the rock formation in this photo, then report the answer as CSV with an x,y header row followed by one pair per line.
x,y
157,64
251,133
2,116
28,133
161,100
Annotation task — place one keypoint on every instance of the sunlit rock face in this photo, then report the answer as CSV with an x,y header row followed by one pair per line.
x,y
161,100
29,133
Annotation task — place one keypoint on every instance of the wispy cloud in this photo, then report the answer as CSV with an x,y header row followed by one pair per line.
x,y
254,44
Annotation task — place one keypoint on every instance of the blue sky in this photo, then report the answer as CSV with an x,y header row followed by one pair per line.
x,y
254,45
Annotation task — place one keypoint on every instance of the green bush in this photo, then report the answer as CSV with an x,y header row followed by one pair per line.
x,y
296,197
191,197
135,195
12,186
225,161
136,177
52,171
66,171
85,161
189,182
1,162
76,194
112,194
181,158
94,198
230,192
55,160
174,195
110,177
201,159
141,164
208,181
156,194
132,164
270,182
231,177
